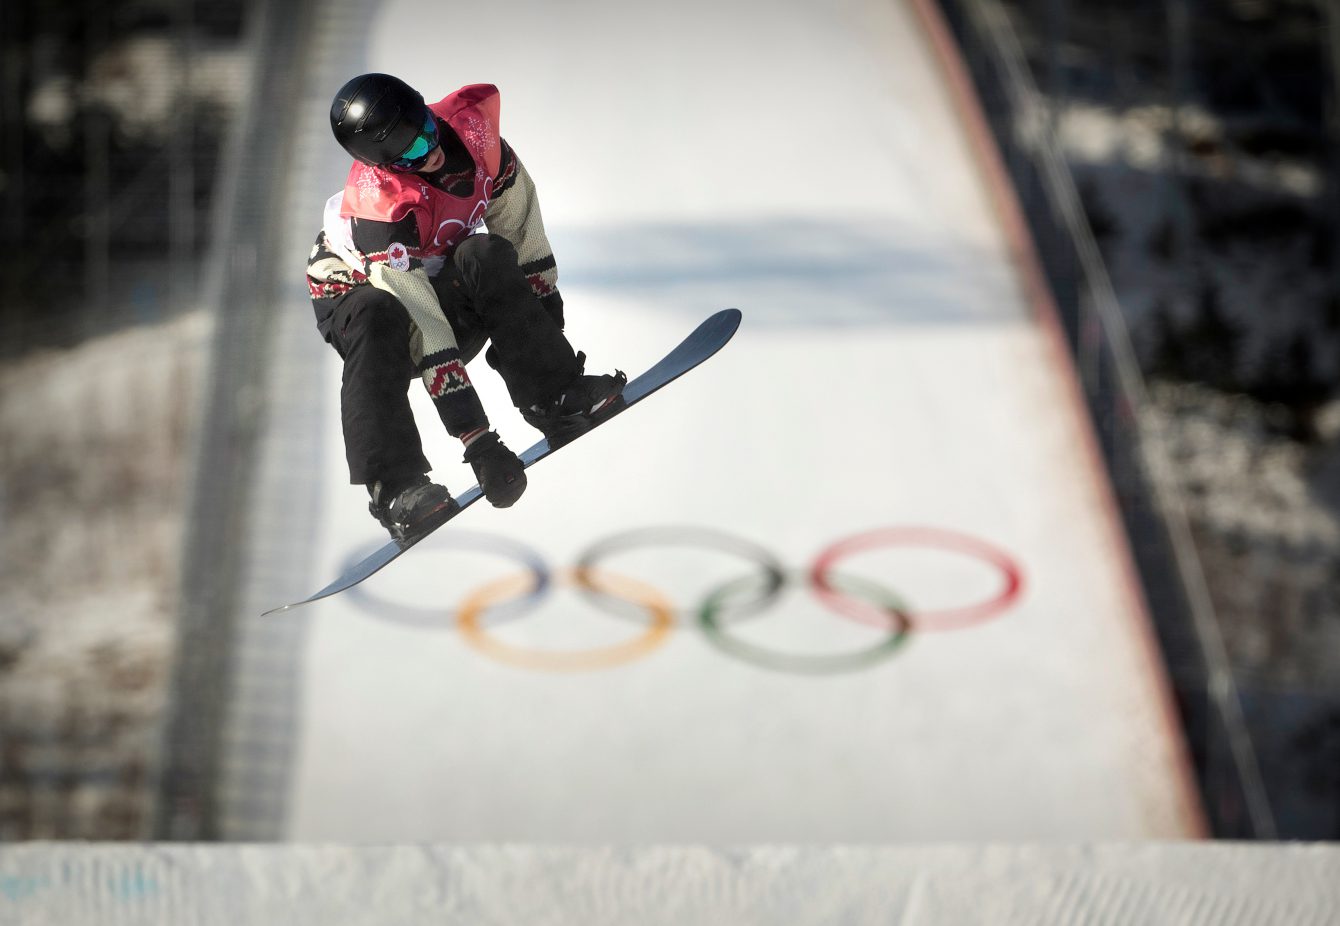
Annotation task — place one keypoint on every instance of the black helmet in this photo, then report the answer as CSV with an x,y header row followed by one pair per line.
x,y
376,117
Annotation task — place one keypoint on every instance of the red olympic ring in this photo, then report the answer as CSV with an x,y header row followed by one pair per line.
x,y
939,619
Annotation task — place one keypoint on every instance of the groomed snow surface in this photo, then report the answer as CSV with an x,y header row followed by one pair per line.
x,y
889,392
1154,885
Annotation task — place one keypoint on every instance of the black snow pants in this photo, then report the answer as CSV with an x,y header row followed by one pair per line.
x,y
486,298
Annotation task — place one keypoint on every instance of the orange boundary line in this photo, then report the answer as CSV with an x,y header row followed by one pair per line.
x,y
1024,255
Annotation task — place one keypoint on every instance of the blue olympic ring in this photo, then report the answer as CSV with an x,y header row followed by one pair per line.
x,y
428,616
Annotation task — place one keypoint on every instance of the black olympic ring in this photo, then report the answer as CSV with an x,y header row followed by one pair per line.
x,y
425,616
846,594
773,574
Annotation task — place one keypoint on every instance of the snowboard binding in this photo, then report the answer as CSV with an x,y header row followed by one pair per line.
x,y
585,403
414,510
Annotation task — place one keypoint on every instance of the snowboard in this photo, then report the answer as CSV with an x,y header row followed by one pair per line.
x,y
708,338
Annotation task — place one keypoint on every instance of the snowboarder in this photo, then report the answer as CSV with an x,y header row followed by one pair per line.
x,y
403,284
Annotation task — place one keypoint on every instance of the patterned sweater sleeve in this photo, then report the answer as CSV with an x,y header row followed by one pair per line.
x,y
514,213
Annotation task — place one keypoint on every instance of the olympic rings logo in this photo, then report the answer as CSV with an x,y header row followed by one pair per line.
x,y
719,613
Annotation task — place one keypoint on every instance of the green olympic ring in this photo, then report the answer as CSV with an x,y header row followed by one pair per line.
x,y
899,627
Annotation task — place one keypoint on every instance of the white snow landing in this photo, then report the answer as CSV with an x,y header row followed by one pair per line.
x,y
803,162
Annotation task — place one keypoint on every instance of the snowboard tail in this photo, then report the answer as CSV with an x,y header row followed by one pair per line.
x,y
708,338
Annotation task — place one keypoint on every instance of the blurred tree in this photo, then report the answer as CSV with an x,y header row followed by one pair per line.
x,y
1214,341
1319,745
1290,380
109,152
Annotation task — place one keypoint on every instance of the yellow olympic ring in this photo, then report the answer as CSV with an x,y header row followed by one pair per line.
x,y
473,632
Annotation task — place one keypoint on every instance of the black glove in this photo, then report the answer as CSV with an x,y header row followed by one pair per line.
x,y
553,304
499,470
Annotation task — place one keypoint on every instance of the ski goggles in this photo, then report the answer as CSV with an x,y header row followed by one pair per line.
x,y
416,155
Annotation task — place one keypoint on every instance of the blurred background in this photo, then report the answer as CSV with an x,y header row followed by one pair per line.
x,y
1178,165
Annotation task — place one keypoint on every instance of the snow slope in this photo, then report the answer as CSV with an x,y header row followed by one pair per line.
x,y
799,160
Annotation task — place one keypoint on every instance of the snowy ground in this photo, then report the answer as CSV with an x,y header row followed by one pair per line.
x,y
810,169
1265,503
93,475
1153,884
1269,535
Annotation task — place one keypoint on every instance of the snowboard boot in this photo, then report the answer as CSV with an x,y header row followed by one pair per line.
x,y
410,510
581,405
